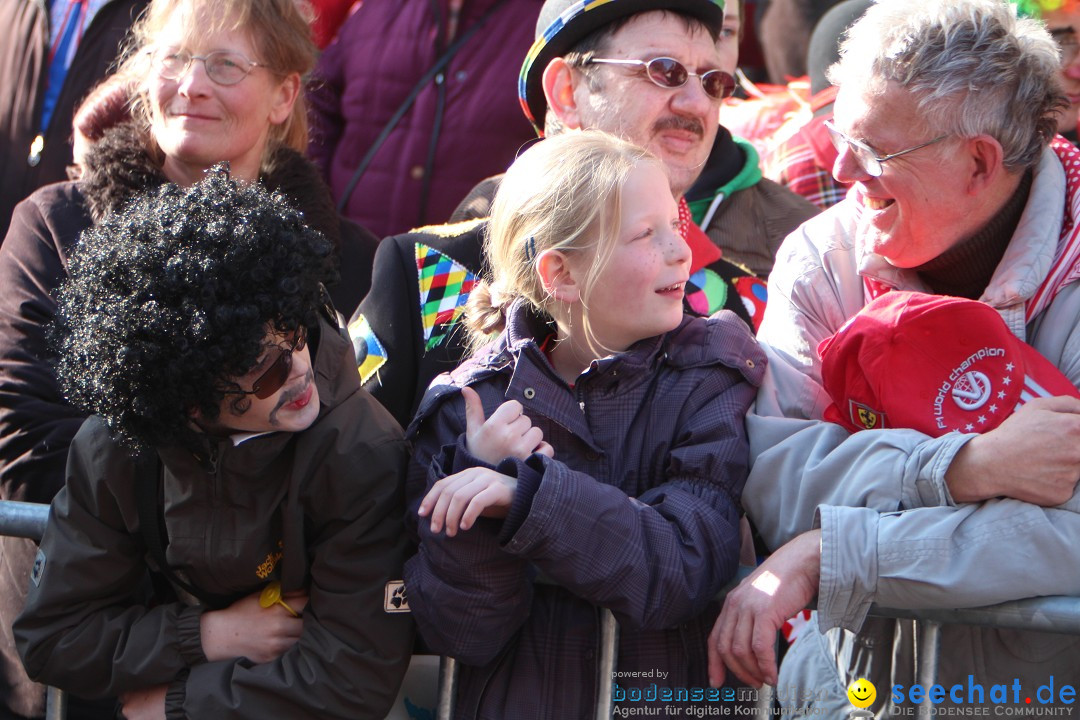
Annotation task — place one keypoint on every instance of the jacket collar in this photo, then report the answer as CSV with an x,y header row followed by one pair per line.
x,y
524,327
537,386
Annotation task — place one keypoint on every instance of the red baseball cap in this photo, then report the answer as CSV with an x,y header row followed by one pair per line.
x,y
932,363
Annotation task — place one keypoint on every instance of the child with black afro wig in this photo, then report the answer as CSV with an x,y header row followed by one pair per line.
x,y
233,463
166,299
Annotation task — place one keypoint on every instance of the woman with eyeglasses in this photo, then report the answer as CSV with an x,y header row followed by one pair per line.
x,y
210,81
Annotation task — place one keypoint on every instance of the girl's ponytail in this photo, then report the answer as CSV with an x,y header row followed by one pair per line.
x,y
485,314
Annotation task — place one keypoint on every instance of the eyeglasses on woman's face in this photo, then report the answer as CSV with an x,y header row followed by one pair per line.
x,y
222,66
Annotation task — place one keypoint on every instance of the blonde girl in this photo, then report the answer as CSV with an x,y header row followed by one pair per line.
x,y
597,438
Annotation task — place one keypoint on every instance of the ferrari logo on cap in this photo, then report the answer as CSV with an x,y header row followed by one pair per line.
x,y
865,417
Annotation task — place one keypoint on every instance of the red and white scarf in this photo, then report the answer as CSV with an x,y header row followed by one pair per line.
x,y
702,250
1066,266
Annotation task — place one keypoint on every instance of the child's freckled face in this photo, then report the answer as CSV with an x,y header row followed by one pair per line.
x,y
639,293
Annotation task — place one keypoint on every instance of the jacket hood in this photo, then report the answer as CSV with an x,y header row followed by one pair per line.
x,y
119,167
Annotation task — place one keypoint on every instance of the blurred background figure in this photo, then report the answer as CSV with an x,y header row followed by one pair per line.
x,y
803,162
784,33
1063,22
402,139
51,53
744,214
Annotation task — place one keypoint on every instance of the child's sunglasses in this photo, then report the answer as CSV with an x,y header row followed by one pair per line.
x,y
275,376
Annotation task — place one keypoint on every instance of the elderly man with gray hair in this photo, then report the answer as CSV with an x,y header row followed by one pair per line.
x,y
944,124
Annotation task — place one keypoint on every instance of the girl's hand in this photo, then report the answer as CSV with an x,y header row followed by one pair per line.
x,y
458,500
246,629
146,704
508,433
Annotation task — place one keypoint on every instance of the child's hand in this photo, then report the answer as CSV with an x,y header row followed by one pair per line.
x,y
508,433
246,629
146,704
458,500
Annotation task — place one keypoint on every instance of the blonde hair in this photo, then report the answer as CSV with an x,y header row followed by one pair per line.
x,y
280,32
560,194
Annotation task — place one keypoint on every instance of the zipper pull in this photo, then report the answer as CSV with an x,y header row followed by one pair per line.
x,y
34,158
213,457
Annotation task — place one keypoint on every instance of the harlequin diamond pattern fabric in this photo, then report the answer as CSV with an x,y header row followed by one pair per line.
x,y
444,287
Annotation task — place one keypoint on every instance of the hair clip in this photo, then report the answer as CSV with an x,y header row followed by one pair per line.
x,y
530,248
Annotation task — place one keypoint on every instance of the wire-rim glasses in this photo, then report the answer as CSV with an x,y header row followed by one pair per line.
x,y
1067,43
222,66
866,156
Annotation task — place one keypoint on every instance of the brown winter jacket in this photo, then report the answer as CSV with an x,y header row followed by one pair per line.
x,y
320,509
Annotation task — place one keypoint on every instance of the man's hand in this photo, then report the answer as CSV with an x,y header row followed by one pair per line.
x,y
458,500
508,433
744,636
246,629
1034,456
148,704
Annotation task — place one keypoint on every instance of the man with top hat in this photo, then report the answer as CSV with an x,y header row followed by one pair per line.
x,y
944,123
651,71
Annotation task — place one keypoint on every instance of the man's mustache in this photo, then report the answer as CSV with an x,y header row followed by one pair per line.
x,y
677,122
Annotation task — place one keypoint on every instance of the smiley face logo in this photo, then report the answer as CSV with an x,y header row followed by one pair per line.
x,y
861,693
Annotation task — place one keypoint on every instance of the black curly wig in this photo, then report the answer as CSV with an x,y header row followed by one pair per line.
x,y
175,293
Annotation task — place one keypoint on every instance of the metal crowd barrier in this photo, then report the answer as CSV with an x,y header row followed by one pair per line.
x,y
1056,614
27,520
22,519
